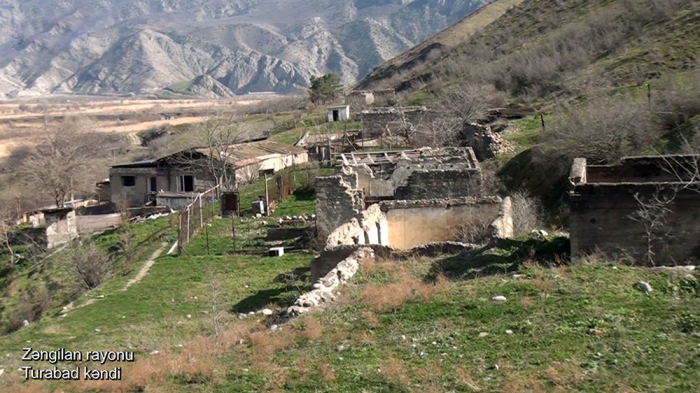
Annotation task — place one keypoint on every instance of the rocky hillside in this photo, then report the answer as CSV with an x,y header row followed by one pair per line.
x,y
241,46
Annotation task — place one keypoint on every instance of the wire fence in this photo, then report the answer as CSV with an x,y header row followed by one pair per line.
x,y
196,215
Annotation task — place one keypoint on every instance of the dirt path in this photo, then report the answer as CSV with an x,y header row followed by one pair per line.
x,y
146,267
139,276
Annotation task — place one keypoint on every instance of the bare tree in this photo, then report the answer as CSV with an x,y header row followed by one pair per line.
x,y
603,129
653,213
466,103
218,137
6,228
61,163
248,174
456,107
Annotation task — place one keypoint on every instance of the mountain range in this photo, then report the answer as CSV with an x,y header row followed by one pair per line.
x,y
215,48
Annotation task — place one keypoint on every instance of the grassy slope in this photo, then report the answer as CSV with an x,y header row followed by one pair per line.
x,y
19,284
578,328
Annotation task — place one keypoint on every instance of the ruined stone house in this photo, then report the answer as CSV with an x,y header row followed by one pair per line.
x,y
396,121
178,177
645,209
419,194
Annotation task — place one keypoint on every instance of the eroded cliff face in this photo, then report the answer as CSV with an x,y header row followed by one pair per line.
x,y
141,46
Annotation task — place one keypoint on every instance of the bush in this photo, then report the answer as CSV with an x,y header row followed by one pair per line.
x,y
88,264
604,129
527,213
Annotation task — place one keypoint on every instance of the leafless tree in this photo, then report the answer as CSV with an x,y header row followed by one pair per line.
x,y
248,174
604,129
6,228
408,126
218,137
653,213
456,107
466,103
61,163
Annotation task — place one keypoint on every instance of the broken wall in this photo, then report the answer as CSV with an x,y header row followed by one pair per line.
x,y
415,223
608,203
376,121
60,228
601,220
338,202
440,183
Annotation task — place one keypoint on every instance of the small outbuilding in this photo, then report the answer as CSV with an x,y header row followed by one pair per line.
x,y
338,113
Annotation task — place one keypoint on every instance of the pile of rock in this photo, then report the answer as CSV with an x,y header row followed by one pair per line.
x,y
322,292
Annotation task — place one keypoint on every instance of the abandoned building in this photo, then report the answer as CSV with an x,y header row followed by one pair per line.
x,y
61,226
399,201
338,113
175,179
393,180
645,209
361,99
394,120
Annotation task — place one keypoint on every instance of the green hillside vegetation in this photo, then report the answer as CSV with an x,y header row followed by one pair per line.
x,y
613,78
39,284
545,48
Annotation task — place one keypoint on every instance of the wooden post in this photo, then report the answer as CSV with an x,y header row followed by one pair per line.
x,y
188,224
19,209
233,233
179,234
542,119
267,199
649,94
201,212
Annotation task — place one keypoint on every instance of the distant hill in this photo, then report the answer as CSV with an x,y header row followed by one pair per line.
x,y
549,47
142,46
439,43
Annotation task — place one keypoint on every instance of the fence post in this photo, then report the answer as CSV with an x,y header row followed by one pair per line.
x,y
188,224
201,213
179,234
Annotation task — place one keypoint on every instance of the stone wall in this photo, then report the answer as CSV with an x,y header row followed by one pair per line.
x,y
440,183
382,180
376,121
416,223
330,280
338,202
606,201
601,221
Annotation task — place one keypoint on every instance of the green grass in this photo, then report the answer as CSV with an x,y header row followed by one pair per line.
x,y
581,328
574,328
39,276
529,132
